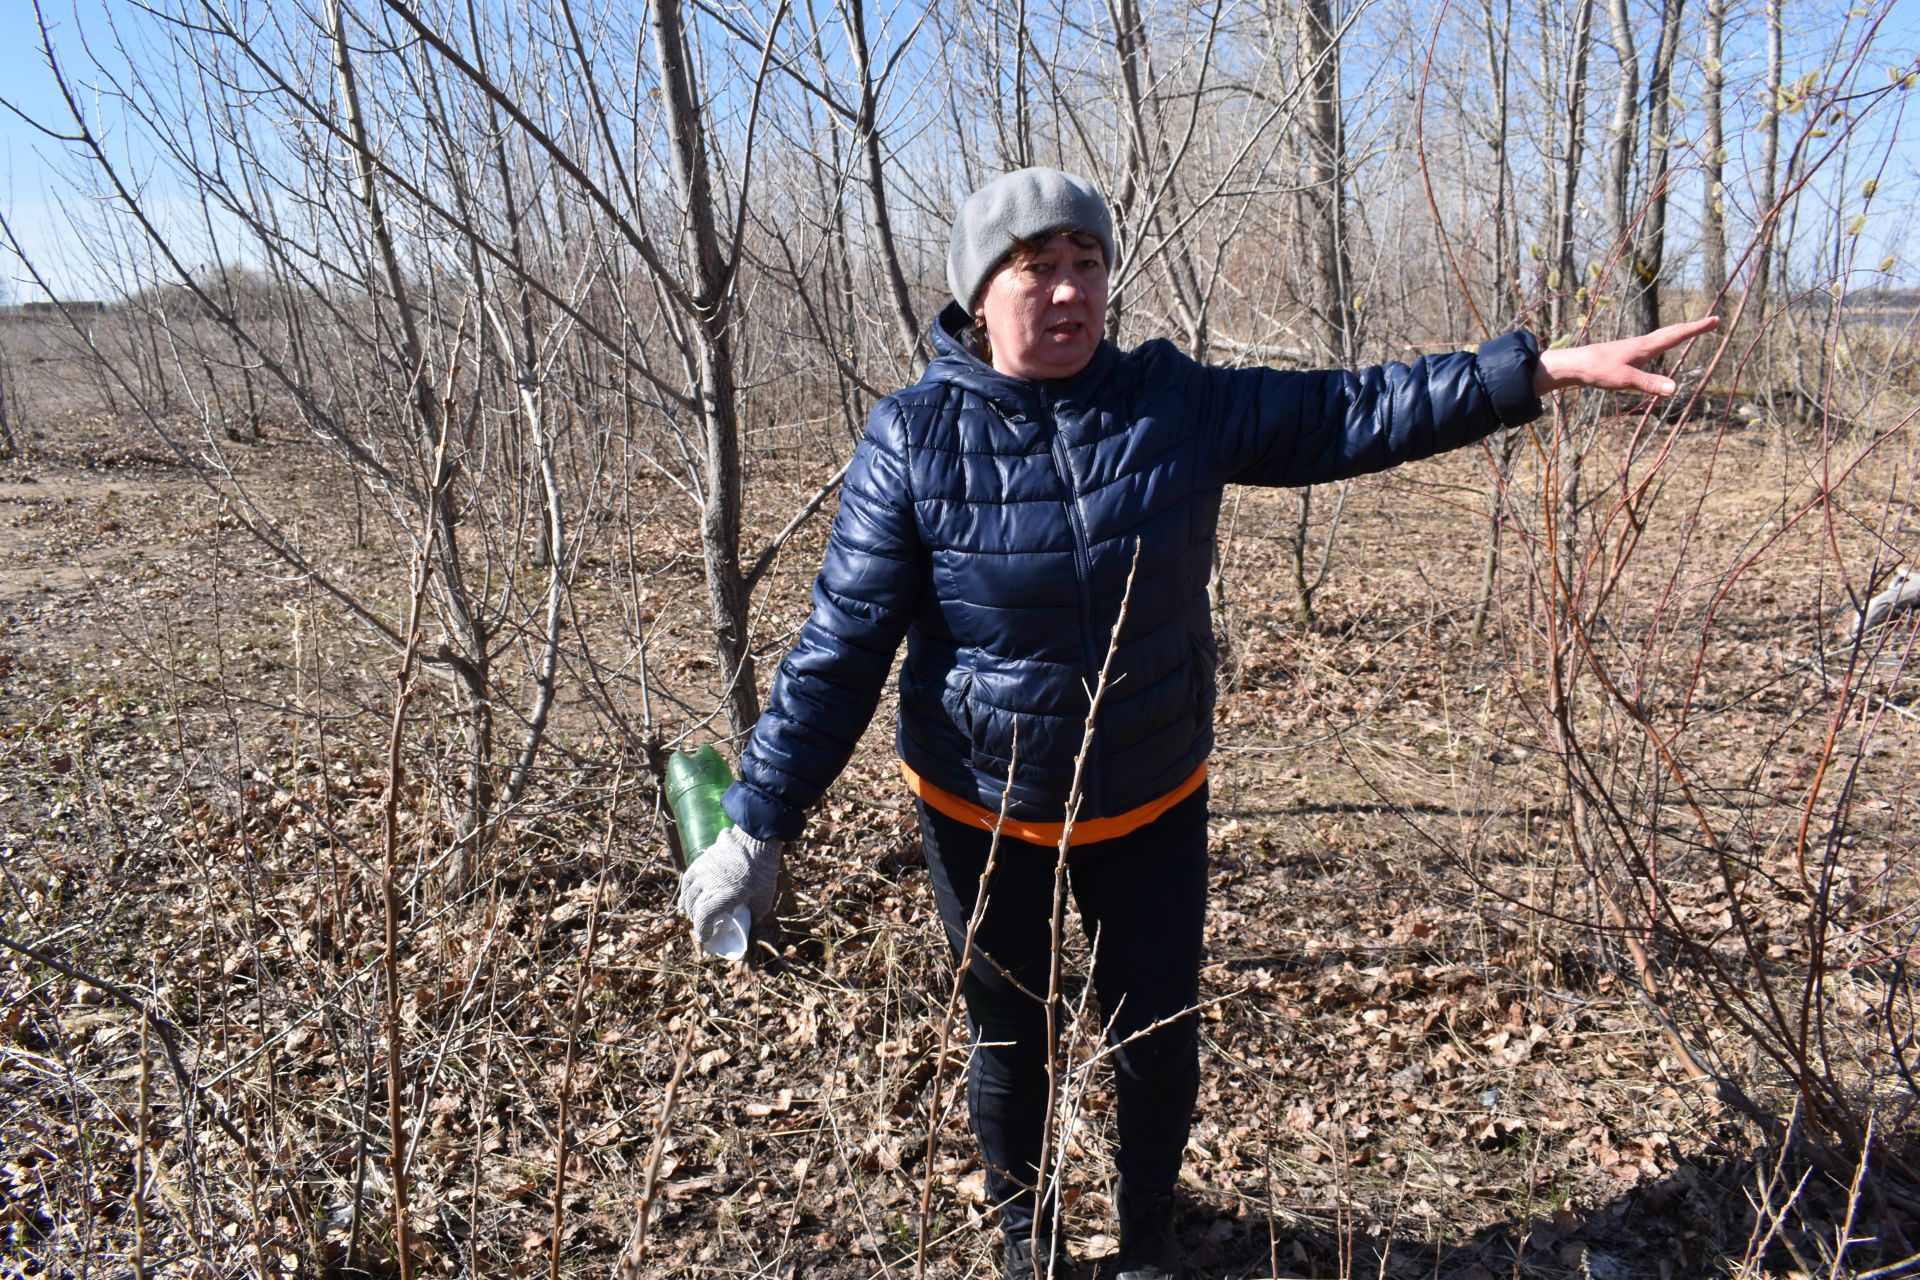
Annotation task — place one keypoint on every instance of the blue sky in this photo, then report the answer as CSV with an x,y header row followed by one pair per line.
x,y
38,205
30,194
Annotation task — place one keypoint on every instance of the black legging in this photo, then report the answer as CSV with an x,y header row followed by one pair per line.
x,y
1143,897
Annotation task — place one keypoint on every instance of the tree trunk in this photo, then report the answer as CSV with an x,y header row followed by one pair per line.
x,y
1303,588
1622,148
9,446
1499,50
520,351
1713,205
1562,277
1019,153
711,330
1323,228
465,651
1769,166
1651,244
913,345
1567,464
1149,194
1325,191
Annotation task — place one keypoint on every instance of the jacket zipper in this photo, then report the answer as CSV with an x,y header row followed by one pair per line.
x,y
1083,579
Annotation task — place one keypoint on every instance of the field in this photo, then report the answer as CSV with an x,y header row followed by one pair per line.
x,y
1495,930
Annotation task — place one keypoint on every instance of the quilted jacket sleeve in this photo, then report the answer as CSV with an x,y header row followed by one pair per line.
x,y
1281,427
825,691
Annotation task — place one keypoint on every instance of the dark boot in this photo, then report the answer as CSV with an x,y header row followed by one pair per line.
x,y
1019,1261
1146,1237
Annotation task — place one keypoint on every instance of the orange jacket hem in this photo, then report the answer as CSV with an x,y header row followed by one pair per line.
x,y
1086,831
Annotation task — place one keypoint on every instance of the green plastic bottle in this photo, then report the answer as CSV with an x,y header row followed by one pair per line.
x,y
695,782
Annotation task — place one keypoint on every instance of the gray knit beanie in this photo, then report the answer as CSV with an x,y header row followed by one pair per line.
x,y
1019,206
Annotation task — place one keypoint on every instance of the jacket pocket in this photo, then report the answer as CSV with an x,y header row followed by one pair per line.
x,y
980,723
956,699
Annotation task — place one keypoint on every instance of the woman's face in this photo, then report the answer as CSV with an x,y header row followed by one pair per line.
x,y
1044,311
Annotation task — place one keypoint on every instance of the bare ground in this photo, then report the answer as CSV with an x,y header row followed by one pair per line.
x,y
1406,1073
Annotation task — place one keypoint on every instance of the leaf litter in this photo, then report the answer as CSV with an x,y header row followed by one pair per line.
x,y
1405,1073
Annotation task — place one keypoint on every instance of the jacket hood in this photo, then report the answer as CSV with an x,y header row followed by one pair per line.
x,y
953,365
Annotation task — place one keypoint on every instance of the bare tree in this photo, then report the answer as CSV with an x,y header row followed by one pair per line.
x,y
1637,212
834,61
1623,152
467,652
709,315
1496,31
1650,242
1566,108
1148,196
9,403
1713,200
867,132
1323,214
1322,227
471,265
1497,47
1760,282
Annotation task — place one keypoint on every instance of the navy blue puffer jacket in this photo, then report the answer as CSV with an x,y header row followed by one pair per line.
x,y
992,521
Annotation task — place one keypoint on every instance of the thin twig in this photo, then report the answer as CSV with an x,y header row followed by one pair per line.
x,y
936,1113
1843,1236
573,1045
168,1033
390,869
635,1253
1097,695
141,1115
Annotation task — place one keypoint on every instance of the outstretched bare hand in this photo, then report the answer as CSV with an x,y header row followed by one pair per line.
x,y
1617,366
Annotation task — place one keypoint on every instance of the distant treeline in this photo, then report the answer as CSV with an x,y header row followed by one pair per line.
x,y
27,309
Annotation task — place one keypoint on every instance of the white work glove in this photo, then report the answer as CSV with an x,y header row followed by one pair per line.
x,y
728,887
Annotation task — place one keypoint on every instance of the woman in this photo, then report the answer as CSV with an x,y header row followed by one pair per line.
x,y
999,515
